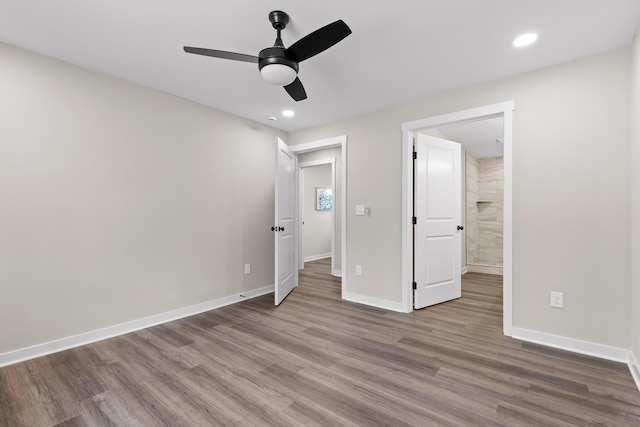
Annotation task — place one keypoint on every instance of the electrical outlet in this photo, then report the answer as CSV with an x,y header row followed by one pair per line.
x,y
360,210
247,268
358,270
557,299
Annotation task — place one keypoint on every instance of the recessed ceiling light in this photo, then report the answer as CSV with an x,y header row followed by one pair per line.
x,y
525,40
288,113
272,118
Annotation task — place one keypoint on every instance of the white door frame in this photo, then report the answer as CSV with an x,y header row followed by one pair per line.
x,y
301,167
339,141
505,110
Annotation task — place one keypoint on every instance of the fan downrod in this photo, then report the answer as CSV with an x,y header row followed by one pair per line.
x,y
279,19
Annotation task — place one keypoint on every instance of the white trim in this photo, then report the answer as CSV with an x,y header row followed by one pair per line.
x,y
316,257
472,114
319,144
327,161
338,141
634,367
300,207
577,346
504,109
374,302
85,338
507,230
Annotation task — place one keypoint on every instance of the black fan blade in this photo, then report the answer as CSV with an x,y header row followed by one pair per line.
x,y
221,54
296,90
318,41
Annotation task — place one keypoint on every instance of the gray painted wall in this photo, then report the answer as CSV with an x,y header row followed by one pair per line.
x,y
635,198
571,199
119,202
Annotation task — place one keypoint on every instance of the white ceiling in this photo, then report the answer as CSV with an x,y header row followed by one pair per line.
x,y
398,51
479,137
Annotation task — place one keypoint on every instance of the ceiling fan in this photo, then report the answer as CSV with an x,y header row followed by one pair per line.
x,y
279,65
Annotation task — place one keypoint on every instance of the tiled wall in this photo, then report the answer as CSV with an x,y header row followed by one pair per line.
x,y
484,193
471,170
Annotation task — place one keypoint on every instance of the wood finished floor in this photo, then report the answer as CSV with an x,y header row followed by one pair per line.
x,y
318,361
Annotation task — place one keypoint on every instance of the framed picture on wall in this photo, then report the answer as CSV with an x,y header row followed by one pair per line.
x,y
324,199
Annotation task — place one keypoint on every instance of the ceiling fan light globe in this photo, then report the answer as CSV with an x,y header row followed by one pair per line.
x,y
278,74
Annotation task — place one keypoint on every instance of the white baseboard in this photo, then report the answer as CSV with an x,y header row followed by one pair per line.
x,y
485,269
583,347
44,349
375,302
465,270
316,257
634,367
336,273
577,346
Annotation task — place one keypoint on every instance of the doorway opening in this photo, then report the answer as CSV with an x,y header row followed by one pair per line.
x,y
331,151
316,185
482,201
409,131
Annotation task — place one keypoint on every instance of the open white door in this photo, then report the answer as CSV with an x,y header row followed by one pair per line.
x,y
437,253
286,273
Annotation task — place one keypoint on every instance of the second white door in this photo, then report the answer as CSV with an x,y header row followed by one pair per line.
x,y
286,272
437,233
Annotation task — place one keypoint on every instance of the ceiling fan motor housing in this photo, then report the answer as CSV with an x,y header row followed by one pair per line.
x,y
275,56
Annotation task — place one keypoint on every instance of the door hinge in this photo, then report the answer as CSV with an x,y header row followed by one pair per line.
x,y
415,220
415,286
415,155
